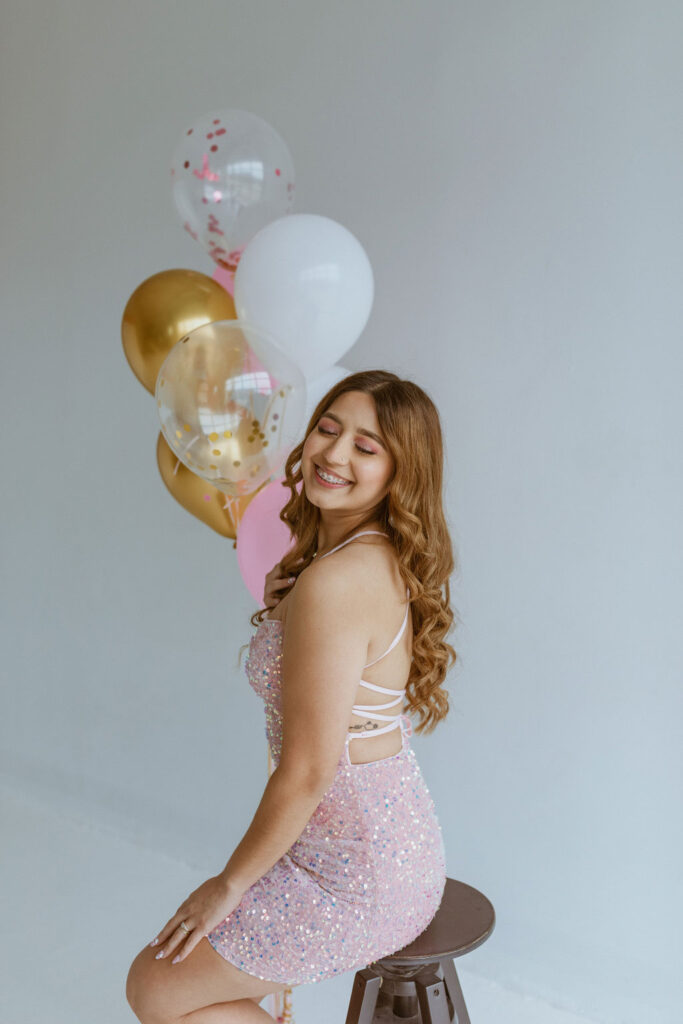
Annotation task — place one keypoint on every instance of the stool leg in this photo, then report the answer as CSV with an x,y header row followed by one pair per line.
x,y
450,977
366,986
431,996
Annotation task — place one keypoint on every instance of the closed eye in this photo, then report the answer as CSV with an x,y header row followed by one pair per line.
x,y
331,433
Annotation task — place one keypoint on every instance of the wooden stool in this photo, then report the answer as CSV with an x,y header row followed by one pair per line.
x,y
419,983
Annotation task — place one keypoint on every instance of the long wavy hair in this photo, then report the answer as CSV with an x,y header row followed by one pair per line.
x,y
412,516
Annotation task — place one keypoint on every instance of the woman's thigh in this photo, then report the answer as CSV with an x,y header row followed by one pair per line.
x,y
158,988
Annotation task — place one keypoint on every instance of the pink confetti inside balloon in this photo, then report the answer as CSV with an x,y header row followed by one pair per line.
x,y
231,174
205,171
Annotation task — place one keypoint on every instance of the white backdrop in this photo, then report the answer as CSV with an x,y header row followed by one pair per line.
x,y
514,173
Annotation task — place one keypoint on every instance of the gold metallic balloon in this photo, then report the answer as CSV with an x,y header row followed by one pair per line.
x,y
199,497
161,310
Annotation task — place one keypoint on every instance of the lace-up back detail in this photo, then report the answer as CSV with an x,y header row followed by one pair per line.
x,y
369,711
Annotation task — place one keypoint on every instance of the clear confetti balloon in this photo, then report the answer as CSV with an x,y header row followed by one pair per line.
x,y
231,175
231,404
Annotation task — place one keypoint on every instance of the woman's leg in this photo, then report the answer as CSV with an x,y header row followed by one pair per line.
x,y
241,1011
193,990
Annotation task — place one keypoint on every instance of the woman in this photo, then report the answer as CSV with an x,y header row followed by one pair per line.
x,y
343,862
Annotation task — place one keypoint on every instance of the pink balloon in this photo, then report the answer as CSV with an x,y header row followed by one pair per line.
x,y
226,278
262,538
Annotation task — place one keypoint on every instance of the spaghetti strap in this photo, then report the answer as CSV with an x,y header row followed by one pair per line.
x,y
405,617
396,638
349,539
378,688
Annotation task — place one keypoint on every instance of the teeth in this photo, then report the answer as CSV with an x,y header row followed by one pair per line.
x,y
331,479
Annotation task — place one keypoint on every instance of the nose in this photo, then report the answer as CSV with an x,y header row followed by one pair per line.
x,y
335,451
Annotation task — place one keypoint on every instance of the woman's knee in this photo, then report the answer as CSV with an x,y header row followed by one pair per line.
x,y
139,990
132,987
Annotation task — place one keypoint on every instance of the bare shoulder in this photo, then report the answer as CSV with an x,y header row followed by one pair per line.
x,y
364,572
334,579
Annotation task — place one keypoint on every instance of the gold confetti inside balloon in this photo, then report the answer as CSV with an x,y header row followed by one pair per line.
x,y
231,405
162,310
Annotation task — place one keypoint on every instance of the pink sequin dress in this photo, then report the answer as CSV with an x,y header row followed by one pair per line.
x,y
366,875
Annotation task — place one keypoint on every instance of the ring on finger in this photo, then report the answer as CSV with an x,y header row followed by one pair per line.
x,y
184,927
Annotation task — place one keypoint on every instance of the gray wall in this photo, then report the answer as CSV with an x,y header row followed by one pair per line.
x,y
514,173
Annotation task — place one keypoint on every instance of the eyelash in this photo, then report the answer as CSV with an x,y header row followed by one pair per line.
x,y
331,433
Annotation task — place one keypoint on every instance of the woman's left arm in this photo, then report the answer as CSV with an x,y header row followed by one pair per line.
x,y
320,671
286,805
320,666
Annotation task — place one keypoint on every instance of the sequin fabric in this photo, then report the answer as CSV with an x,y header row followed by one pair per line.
x,y
364,878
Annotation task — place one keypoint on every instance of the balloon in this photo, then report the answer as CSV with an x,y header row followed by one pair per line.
x,y
231,404
199,497
164,308
307,280
231,174
226,278
319,386
263,539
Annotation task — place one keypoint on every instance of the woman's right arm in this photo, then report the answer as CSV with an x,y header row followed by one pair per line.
x,y
275,586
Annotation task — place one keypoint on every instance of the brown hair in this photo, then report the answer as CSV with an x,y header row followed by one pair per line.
x,y
412,515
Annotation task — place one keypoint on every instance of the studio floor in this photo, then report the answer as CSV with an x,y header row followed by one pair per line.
x,y
78,901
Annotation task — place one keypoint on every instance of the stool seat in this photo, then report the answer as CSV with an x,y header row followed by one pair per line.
x,y
419,982
463,921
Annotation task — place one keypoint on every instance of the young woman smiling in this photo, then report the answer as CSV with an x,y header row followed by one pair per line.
x,y
344,861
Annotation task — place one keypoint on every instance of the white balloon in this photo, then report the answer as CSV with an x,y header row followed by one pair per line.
x,y
307,281
319,386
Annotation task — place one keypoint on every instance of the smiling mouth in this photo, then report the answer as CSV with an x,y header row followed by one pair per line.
x,y
335,479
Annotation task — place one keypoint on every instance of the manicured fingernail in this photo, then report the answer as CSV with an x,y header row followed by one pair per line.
x,y
160,953
154,942
175,960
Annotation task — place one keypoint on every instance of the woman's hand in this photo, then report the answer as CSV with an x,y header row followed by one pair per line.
x,y
201,912
275,582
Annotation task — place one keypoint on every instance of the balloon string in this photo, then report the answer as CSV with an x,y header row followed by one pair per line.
x,y
233,504
176,467
280,1007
